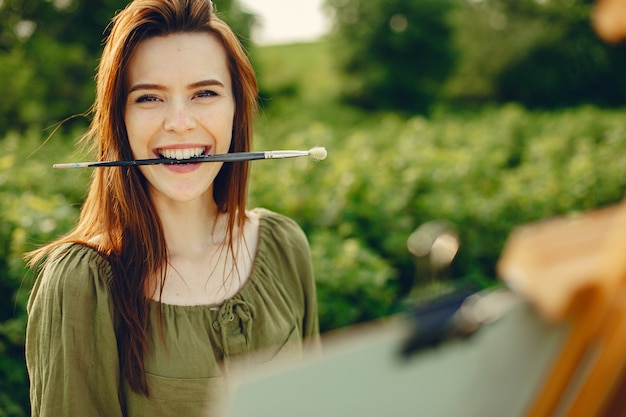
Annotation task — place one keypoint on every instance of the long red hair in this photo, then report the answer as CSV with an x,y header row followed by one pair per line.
x,y
118,218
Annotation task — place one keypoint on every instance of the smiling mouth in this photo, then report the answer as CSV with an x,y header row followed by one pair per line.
x,y
182,154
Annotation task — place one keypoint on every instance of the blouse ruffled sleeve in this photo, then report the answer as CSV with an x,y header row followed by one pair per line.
x,y
71,348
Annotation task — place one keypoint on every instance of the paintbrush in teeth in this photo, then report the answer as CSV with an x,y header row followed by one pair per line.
x,y
317,153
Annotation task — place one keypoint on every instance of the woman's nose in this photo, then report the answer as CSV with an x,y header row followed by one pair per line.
x,y
179,118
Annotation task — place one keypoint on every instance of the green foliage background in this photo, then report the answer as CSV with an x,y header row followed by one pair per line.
x,y
480,159
400,58
412,53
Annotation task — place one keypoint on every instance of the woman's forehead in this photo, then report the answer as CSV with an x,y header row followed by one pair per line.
x,y
179,58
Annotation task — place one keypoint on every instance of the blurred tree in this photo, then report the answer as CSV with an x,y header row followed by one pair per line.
x,y
238,18
570,67
49,51
541,53
395,54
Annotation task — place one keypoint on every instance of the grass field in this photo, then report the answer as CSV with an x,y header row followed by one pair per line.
x,y
309,68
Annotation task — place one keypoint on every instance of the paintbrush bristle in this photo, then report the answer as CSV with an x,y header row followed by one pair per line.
x,y
318,153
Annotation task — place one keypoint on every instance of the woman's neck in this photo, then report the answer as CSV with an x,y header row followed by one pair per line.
x,y
191,227
203,267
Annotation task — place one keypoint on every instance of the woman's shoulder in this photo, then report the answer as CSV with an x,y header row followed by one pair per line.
x,y
281,238
278,224
74,254
281,233
75,267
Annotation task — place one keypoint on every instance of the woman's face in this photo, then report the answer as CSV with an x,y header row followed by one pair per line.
x,y
180,104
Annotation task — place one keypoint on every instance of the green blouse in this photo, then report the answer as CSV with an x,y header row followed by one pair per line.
x,y
71,348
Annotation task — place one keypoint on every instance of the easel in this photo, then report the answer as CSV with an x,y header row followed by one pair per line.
x,y
573,270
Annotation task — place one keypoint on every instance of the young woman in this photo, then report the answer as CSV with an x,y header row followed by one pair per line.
x,y
167,278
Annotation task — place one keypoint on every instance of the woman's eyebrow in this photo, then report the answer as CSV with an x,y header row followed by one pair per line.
x,y
206,83
146,87
202,83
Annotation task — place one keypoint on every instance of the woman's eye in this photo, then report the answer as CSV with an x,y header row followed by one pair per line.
x,y
206,93
145,99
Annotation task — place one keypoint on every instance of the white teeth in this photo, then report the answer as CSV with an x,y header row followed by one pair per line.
x,y
181,153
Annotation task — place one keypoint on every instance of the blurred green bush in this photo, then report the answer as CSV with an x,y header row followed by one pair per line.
x,y
485,172
35,206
